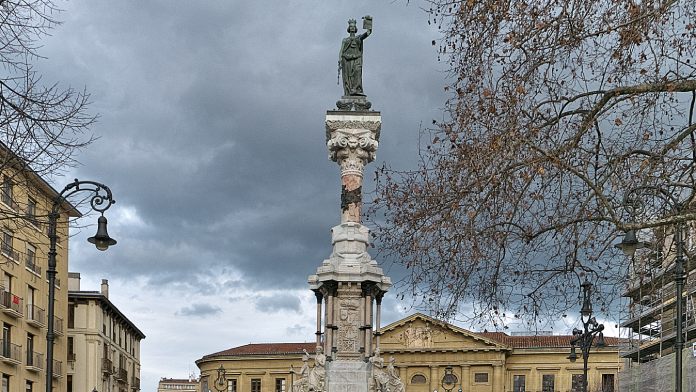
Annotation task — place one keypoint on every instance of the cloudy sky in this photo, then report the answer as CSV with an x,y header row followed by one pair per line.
x,y
212,140
211,137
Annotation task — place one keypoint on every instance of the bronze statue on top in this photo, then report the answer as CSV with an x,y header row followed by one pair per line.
x,y
350,64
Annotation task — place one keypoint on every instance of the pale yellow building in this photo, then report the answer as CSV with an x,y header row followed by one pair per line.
x,y
190,384
424,348
25,202
103,345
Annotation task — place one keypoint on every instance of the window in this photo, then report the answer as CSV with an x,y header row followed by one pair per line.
x,y
30,350
480,377
255,385
518,383
548,382
6,247
71,348
29,386
33,312
6,193
232,385
608,383
31,212
7,282
6,340
418,379
5,383
279,385
69,382
31,258
71,315
577,383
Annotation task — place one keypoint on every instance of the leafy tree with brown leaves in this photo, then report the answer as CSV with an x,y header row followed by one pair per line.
x,y
557,108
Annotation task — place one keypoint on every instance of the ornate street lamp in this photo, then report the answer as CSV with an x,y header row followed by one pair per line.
x,y
449,380
634,204
100,201
583,338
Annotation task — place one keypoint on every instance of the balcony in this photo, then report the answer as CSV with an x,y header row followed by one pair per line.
x,y
30,263
35,362
11,304
107,366
36,316
10,353
7,251
58,325
122,375
57,369
135,383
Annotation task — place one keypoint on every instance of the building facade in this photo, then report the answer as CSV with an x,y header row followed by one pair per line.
x,y
25,202
103,345
190,384
425,350
651,321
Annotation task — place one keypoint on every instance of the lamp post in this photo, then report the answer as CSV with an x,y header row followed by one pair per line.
x,y
584,338
635,206
100,201
449,380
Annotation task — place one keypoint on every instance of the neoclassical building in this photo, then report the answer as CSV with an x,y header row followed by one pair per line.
x,y
425,350
103,344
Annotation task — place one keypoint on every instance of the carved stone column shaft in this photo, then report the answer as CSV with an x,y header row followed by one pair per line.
x,y
352,140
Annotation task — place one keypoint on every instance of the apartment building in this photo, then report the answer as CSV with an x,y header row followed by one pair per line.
x,y
25,202
103,345
651,317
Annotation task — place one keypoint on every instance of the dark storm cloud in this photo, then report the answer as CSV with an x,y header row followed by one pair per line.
x,y
212,117
212,137
277,302
199,310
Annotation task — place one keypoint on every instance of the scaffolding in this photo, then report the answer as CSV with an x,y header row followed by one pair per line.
x,y
650,326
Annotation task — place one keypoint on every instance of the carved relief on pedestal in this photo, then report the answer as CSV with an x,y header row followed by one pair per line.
x,y
348,324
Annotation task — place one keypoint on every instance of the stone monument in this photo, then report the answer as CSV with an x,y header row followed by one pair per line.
x,y
349,285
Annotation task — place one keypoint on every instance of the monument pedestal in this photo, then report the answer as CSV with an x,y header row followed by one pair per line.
x,y
347,376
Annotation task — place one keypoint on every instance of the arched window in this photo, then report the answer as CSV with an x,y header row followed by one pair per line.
x,y
418,379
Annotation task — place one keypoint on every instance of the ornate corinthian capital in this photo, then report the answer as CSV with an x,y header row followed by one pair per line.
x,y
352,142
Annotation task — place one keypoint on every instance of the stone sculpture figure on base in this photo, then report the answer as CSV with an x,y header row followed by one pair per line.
x,y
301,384
314,379
379,379
317,376
350,64
394,384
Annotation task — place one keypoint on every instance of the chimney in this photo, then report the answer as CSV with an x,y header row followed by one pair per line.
x,y
105,288
73,281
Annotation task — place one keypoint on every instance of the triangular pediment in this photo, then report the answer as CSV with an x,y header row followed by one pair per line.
x,y
421,332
